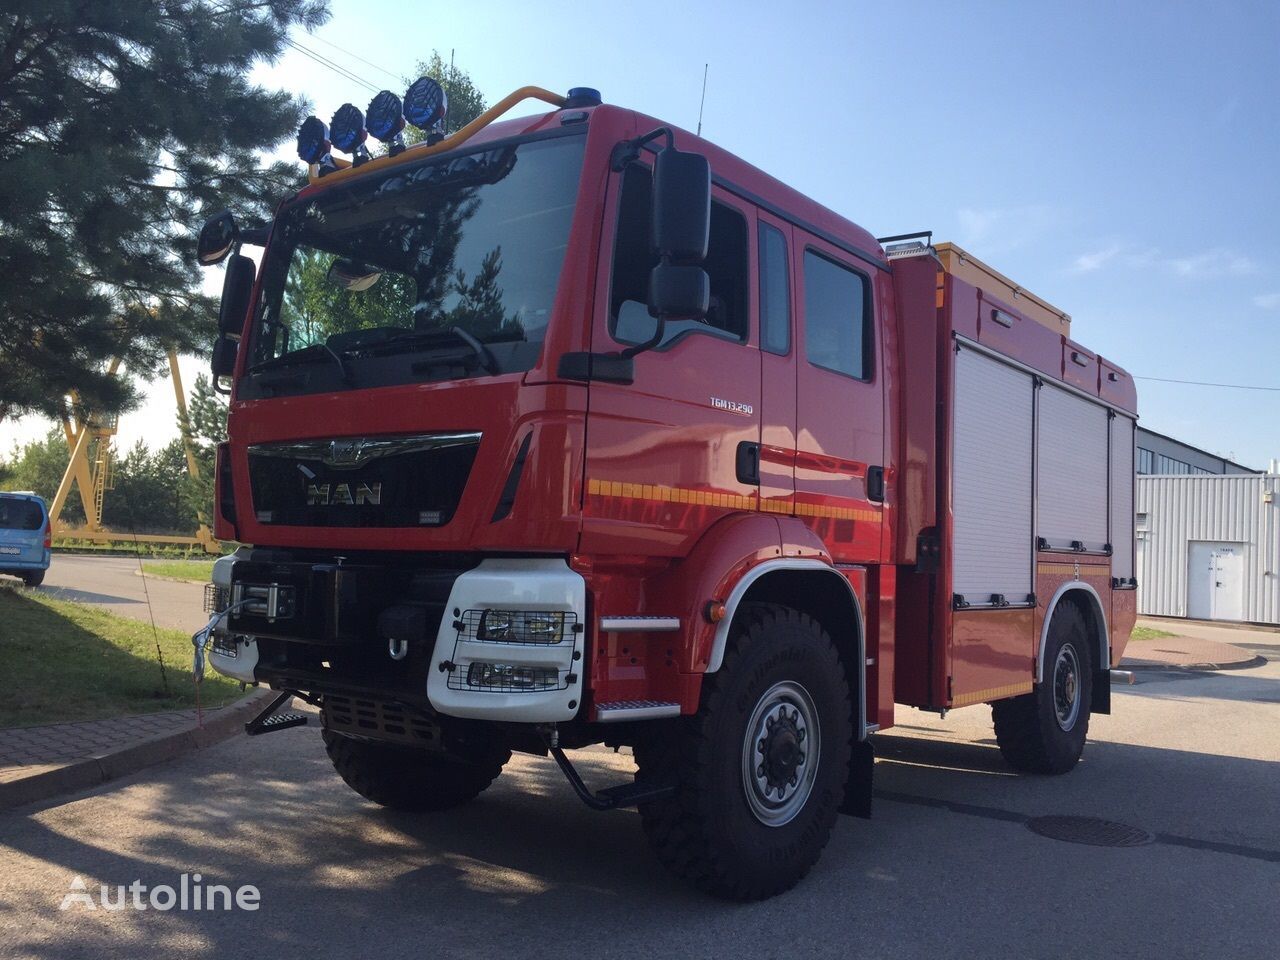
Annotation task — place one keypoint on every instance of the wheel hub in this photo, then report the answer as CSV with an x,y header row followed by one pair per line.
x,y
1066,687
780,754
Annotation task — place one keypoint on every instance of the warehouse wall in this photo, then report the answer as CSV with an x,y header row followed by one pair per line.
x,y
1175,510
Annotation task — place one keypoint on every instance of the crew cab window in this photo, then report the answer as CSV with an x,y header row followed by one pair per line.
x,y
775,291
837,334
633,258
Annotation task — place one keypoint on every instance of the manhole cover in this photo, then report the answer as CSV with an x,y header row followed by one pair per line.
x,y
1090,830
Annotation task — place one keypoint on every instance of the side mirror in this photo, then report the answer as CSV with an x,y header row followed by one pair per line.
x,y
237,288
679,292
681,206
224,359
217,237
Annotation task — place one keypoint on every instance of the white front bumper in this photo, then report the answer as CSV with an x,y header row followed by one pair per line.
x,y
543,585
241,666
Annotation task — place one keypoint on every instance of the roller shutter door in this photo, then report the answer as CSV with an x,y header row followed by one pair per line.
x,y
1122,519
992,443
1072,439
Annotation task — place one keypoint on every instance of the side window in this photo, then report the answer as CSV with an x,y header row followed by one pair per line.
x,y
775,291
837,333
633,258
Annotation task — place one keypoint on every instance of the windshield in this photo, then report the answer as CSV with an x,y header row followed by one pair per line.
x,y
453,263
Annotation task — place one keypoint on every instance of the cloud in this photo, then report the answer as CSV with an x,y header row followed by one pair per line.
x,y
1267,301
998,229
1097,259
1215,262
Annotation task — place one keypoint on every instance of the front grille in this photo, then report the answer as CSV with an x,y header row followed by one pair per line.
x,y
379,721
412,481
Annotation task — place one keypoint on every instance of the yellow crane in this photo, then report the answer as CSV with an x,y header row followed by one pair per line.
x,y
89,469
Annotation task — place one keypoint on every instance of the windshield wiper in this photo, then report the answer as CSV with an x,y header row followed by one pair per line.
x,y
310,354
430,338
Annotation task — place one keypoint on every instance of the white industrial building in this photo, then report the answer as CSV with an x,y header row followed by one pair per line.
x,y
1208,545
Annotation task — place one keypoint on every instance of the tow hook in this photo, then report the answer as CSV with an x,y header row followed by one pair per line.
x,y
397,649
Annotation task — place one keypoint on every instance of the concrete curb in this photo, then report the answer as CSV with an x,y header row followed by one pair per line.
x,y
49,780
1256,661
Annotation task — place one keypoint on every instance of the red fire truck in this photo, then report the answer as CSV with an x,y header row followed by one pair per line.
x,y
576,429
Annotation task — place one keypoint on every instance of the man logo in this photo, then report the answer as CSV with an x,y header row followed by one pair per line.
x,y
328,495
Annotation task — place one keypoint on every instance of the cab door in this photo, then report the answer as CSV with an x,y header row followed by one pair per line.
x,y
675,450
776,286
840,444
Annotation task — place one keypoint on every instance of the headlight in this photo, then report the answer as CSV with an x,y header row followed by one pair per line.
x,y
521,626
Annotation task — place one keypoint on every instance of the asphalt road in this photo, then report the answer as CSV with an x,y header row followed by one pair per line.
x,y
947,868
113,584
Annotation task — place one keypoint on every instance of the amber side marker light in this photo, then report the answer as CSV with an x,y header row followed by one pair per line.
x,y
715,611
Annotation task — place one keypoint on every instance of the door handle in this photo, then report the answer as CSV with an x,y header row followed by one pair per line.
x,y
875,484
748,463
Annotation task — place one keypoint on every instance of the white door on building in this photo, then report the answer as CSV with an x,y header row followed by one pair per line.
x,y
1215,580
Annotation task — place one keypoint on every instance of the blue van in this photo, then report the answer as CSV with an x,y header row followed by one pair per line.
x,y
25,537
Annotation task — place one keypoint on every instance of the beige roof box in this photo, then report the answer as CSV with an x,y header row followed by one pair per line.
x,y
973,271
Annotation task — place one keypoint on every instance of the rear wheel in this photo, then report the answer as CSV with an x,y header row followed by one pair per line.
x,y
1044,731
760,770
404,778
33,578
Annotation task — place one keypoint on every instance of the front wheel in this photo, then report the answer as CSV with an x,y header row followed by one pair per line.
x,y
1044,731
404,778
760,770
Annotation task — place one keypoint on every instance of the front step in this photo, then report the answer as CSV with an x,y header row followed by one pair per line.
x,y
268,721
610,798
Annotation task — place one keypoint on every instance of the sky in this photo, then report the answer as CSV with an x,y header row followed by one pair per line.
x,y
1117,159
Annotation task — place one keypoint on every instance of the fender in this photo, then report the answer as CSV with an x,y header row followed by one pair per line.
x,y
1104,646
730,548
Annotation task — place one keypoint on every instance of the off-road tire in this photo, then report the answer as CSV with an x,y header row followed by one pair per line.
x,y
404,778
1027,727
707,833
33,578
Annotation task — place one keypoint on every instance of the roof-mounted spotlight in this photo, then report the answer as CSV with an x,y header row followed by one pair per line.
x,y
314,144
385,121
425,106
349,134
582,97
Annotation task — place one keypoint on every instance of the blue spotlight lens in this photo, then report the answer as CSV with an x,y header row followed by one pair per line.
x,y
386,116
313,140
425,103
348,128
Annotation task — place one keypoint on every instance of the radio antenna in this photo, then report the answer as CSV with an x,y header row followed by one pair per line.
x,y
703,101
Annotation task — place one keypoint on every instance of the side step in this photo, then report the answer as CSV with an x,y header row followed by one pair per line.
x,y
265,722
610,798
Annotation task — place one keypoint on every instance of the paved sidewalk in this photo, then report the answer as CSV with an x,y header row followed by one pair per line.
x,y
1188,653
60,742
40,762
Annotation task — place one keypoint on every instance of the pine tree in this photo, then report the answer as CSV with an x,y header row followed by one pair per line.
x,y
123,124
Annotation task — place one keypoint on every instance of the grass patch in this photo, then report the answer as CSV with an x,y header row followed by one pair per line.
x,y
1149,633
197,571
64,661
